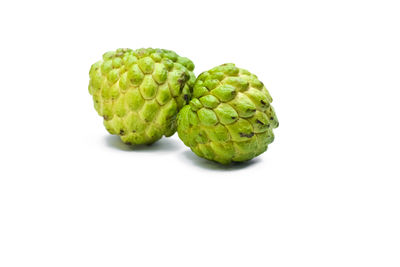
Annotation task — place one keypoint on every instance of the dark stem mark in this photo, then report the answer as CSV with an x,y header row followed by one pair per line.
x,y
186,98
246,135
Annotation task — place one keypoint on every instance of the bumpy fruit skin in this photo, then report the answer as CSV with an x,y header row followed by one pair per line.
x,y
230,118
139,92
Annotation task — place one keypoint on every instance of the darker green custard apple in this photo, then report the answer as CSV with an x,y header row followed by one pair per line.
x,y
230,117
140,92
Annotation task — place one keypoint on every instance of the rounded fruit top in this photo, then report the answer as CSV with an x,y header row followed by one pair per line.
x,y
230,118
139,92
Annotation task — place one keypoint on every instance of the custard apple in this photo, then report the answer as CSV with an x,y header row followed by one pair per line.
x,y
230,117
139,92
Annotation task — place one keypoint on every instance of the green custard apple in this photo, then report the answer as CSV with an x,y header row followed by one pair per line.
x,y
230,117
139,92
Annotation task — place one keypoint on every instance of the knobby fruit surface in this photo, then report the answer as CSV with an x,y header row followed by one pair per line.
x,y
139,92
230,117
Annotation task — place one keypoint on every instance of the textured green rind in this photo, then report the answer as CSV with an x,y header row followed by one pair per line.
x,y
139,92
230,118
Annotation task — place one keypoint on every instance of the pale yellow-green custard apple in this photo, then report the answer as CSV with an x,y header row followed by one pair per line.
x,y
230,117
139,92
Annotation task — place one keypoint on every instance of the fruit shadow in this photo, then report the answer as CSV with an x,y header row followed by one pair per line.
x,y
211,165
162,145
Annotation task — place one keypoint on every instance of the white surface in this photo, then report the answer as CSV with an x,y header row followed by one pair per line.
x,y
326,193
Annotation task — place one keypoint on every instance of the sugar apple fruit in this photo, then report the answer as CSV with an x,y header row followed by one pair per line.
x,y
230,118
139,92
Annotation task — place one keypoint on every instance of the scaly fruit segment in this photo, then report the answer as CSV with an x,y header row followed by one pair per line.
x,y
230,118
139,92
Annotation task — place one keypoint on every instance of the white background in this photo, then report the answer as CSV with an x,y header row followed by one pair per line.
x,y
326,193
